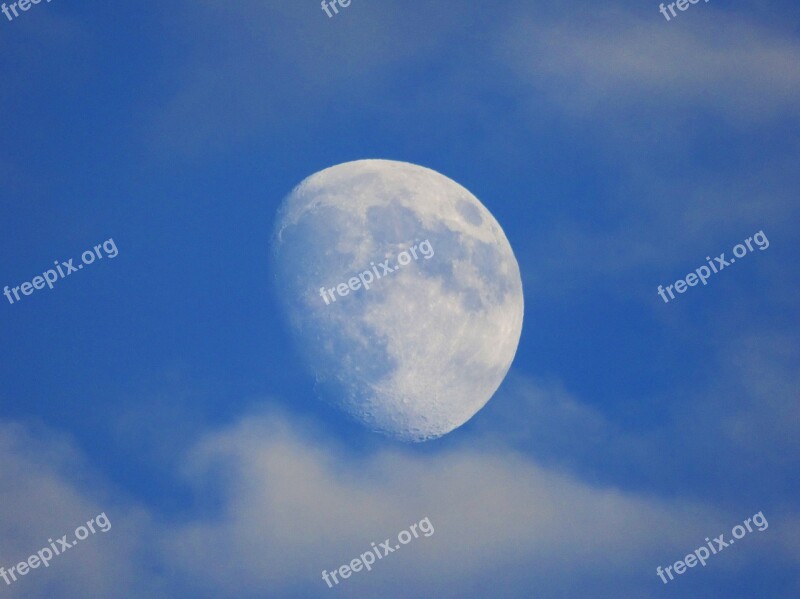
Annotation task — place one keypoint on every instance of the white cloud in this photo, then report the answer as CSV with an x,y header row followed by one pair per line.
x,y
618,60
278,501
256,66
297,504
731,437
46,491
687,121
293,503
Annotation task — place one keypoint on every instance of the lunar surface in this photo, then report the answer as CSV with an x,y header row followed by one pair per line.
x,y
425,346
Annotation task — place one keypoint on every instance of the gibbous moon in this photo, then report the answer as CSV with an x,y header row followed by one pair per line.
x,y
418,350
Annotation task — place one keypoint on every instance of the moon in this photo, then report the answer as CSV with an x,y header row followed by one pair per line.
x,y
422,347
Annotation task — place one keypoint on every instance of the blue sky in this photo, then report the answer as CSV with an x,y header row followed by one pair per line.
x,y
616,149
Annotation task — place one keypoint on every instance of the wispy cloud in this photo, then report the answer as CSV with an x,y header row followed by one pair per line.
x,y
277,501
47,489
297,503
619,60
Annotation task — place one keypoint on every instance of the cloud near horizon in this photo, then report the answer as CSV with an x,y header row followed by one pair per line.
x,y
278,501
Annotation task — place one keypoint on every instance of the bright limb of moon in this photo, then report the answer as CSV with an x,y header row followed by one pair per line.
x,y
426,346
